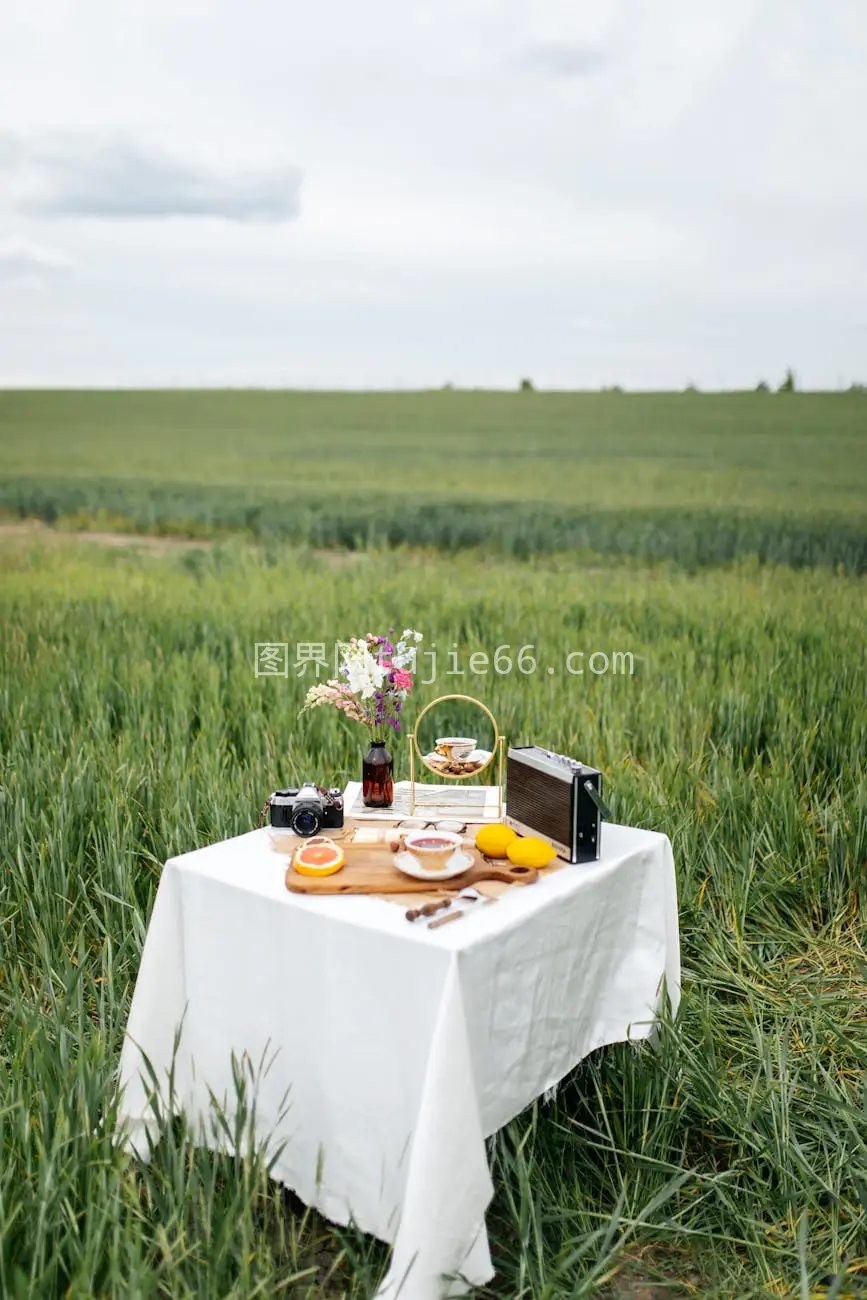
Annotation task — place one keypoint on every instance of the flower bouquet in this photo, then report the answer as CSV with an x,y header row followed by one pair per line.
x,y
375,677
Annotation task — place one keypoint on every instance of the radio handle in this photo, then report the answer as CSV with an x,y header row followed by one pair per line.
x,y
604,810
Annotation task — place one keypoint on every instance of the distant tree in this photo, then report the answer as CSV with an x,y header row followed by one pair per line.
x,y
448,387
763,387
526,386
857,388
788,385
691,388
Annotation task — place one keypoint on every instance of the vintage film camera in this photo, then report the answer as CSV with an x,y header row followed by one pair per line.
x,y
307,810
558,797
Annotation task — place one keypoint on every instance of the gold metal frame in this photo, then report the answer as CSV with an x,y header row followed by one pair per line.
x,y
496,752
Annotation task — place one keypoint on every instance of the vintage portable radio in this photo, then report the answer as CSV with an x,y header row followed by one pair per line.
x,y
558,797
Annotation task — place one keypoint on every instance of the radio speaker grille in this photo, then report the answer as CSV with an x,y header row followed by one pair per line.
x,y
539,801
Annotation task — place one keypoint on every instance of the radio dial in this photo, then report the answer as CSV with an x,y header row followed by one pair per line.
x,y
572,763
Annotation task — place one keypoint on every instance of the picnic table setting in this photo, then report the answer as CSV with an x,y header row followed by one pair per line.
x,y
400,968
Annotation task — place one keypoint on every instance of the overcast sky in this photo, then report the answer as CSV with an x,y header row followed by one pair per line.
x,y
586,192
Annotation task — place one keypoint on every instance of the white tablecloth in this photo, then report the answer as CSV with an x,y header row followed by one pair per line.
x,y
391,1051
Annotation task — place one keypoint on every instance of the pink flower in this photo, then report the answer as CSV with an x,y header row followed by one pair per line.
x,y
402,679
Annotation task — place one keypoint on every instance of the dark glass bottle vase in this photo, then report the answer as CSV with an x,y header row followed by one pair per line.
x,y
377,776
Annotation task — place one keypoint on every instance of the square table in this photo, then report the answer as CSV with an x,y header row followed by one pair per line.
x,y
390,1051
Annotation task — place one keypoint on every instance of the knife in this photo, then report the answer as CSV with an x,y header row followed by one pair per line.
x,y
470,897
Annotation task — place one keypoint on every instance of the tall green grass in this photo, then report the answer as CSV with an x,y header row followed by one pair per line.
x,y
732,1162
701,479
692,538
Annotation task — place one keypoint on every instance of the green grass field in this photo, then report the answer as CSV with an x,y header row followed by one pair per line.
x,y
730,1163
691,477
759,452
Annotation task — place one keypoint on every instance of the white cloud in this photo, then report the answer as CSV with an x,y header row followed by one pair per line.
x,y
479,177
23,257
562,60
120,178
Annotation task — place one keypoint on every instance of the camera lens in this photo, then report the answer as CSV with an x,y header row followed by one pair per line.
x,y
305,822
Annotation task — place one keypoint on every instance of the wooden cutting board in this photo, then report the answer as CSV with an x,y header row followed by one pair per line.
x,y
370,870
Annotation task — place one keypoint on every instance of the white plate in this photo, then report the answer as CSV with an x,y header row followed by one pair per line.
x,y
459,862
480,756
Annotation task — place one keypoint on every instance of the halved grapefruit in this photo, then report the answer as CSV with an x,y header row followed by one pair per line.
x,y
318,856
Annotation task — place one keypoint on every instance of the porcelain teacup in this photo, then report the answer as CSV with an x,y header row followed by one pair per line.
x,y
432,849
456,748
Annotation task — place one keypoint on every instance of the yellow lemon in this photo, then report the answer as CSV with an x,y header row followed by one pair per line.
x,y
319,856
494,840
530,852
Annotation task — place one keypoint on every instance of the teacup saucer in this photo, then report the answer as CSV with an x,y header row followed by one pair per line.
x,y
457,864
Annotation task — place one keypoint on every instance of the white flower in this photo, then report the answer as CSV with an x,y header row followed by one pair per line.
x,y
363,673
405,651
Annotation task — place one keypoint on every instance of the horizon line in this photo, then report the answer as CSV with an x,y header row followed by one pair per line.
x,y
606,390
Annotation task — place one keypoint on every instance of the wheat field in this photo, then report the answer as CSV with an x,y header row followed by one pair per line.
x,y
731,1161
